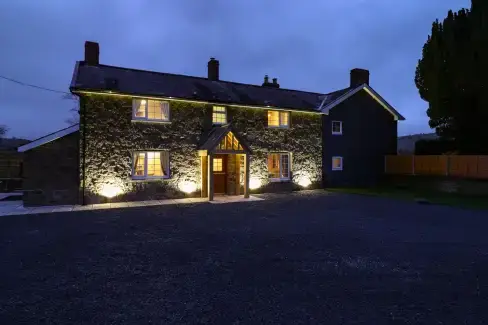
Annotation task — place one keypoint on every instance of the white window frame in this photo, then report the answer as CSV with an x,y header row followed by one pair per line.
x,y
145,177
281,179
332,127
342,163
280,126
146,118
218,112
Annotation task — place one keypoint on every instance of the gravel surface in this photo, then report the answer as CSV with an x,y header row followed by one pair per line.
x,y
312,258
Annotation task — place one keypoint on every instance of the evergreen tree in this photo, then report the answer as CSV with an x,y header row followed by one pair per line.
x,y
452,77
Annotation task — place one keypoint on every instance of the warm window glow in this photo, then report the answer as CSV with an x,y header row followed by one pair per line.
x,y
141,109
279,165
152,164
140,164
149,109
278,119
217,165
219,115
336,163
229,142
336,127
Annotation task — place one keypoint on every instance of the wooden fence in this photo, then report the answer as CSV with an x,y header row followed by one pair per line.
x,y
445,165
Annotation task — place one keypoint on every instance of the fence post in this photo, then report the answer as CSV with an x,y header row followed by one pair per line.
x,y
413,164
477,166
448,164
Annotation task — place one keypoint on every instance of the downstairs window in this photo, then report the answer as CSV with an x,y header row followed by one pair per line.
x,y
150,165
279,166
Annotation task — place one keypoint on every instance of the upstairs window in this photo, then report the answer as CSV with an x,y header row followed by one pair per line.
x,y
150,110
150,164
278,119
219,115
279,166
336,127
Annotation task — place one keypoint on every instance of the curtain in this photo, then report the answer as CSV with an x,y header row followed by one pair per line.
x,y
165,111
164,159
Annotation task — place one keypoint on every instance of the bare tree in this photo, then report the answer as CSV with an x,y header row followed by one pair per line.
x,y
3,130
74,110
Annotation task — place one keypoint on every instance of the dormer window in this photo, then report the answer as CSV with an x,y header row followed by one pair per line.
x,y
150,110
219,115
278,119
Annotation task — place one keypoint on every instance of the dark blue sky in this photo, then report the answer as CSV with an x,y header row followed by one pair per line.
x,y
309,45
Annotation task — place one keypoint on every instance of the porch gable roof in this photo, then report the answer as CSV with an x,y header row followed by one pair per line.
x,y
218,133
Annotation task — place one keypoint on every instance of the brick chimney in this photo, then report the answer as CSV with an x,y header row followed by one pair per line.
x,y
92,52
273,84
359,77
213,69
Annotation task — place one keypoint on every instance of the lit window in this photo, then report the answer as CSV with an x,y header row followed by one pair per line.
x,y
336,163
279,166
229,142
217,165
219,115
278,119
336,127
150,110
151,164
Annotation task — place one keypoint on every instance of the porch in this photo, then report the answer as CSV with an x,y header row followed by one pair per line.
x,y
224,163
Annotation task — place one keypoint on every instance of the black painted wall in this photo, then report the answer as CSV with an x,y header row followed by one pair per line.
x,y
369,132
51,173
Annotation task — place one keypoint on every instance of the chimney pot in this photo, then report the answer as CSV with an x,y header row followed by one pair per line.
x,y
359,77
213,69
92,53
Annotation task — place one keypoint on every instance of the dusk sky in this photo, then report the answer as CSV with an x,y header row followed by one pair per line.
x,y
309,45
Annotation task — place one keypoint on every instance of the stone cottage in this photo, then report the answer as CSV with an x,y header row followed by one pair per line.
x,y
148,135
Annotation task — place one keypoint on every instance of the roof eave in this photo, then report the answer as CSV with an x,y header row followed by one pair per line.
x,y
49,138
81,90
372,93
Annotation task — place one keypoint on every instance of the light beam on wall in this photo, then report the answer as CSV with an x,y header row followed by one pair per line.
x,y
304,181
110,190
187,186
254,183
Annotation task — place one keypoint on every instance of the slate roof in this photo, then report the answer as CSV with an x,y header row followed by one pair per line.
x,y
148,83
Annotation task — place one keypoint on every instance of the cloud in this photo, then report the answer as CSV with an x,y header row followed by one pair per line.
x,y
310,46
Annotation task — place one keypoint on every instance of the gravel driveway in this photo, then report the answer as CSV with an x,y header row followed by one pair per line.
x,y
295,259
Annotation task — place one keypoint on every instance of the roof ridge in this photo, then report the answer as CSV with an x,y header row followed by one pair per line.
x,y
203,78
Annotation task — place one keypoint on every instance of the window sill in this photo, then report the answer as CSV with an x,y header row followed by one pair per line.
x,y
143,180
150,121
336,169
279,180
278,127
336,133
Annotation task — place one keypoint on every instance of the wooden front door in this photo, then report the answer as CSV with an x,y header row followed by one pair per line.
x,y
220,174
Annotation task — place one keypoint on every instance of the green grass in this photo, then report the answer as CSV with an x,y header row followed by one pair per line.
x,y
434,197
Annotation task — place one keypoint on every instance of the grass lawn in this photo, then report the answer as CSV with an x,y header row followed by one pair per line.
x,y
433,197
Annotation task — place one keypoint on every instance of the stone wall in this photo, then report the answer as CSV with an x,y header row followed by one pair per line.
x,y
112,137
51,174
302,140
